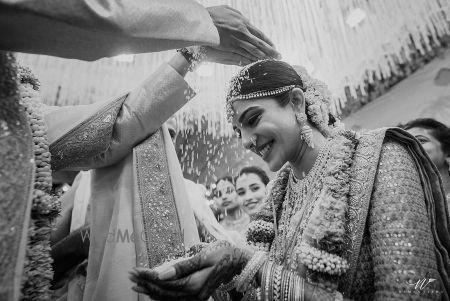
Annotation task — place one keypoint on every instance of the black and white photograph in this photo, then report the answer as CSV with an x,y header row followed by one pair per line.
x,y
224,150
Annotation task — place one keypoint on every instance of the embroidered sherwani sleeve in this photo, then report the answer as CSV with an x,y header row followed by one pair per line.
x,y
92,29
113,129
401,241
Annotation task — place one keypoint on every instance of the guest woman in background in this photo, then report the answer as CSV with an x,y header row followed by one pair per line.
x,y
435,139
251,188
235,220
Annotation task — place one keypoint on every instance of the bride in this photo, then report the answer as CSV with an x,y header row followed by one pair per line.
x,y
354,216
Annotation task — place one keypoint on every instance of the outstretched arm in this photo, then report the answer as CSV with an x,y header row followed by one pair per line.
x,y
112,130
92,29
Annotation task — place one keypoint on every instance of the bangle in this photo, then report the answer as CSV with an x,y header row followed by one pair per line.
x,y
285,286
292,287
289,286
270,282
302,289
250,270
296,288
277,283
194,55
265,280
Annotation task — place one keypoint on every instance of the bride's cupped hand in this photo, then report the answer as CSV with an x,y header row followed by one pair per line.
x,y
240,42
195,278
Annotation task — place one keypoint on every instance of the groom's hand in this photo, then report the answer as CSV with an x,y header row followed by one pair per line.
x,y
240,42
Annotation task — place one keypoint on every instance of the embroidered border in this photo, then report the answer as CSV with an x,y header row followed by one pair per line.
x,y
363,173
88,139
163,233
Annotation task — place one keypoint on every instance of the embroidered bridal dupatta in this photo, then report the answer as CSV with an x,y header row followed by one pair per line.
x,y
364,172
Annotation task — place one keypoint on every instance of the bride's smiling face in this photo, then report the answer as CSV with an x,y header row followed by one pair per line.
x,y
274,126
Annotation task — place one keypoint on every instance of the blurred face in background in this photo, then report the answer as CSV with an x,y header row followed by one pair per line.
x,y
225,196
431,145
251,192
172,127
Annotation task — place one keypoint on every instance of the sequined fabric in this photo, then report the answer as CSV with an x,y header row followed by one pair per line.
x,y
87,140
16,178
397,251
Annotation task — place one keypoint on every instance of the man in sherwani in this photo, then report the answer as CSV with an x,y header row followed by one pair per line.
x,y
100,135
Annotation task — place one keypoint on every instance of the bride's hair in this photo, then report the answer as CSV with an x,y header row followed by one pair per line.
x,y
276,79
267,75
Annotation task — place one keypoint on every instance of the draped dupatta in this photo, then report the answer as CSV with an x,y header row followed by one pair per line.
x,y
364,171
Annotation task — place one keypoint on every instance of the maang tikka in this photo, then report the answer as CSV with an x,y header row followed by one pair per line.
x,y
305,130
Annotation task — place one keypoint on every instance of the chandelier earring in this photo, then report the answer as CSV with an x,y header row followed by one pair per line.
x,y
448,163
305,130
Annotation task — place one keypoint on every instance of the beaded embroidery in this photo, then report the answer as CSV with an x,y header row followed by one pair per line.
x,y
88,139
163,233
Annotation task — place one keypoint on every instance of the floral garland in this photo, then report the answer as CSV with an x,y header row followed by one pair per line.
x,y
323,238
326,226
260,235
38,272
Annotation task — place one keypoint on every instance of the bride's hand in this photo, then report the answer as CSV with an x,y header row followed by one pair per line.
x,y
240,41
195,278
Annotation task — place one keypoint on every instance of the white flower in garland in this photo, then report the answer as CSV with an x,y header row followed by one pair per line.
x,y
38,272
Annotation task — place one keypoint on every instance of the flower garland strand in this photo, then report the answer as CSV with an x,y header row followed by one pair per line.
x,y
326,226
38,272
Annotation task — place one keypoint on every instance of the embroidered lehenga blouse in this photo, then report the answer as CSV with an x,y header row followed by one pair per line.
x,y
391,244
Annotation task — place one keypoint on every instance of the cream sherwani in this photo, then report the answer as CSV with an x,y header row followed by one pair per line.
x,y
140,214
